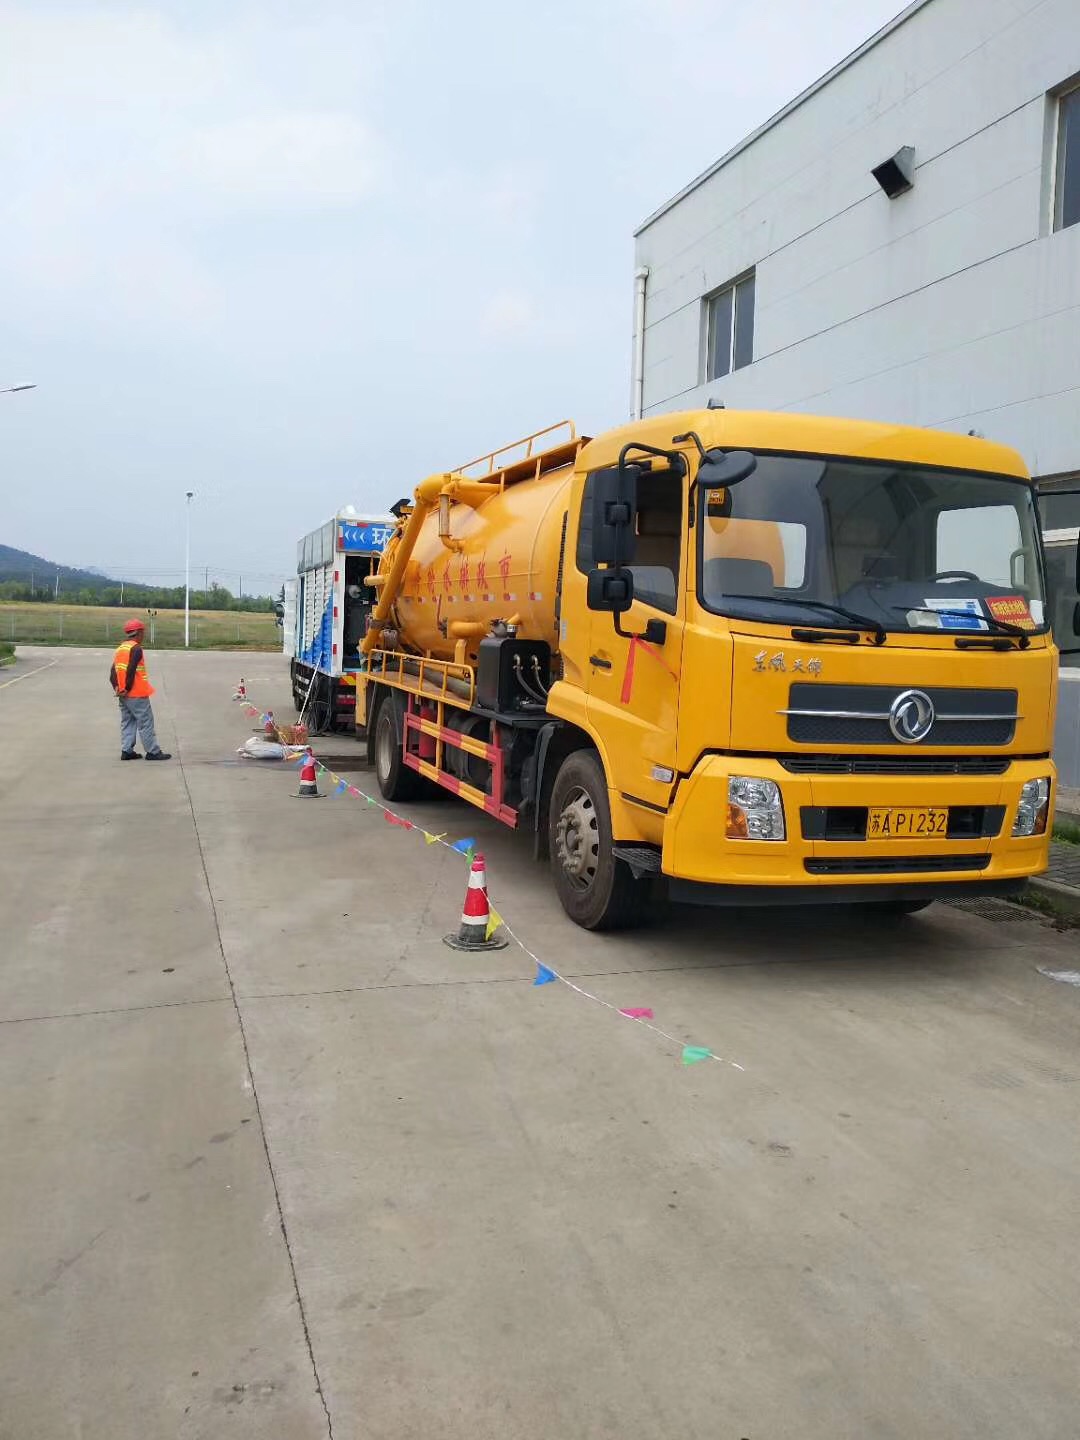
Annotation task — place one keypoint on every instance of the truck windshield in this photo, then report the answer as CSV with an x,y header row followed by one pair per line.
x,y
908,547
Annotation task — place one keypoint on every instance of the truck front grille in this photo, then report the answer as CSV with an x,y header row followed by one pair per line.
x,y
895,864
895,764
859,715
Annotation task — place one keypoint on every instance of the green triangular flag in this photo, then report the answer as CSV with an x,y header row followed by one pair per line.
x,y
693,1054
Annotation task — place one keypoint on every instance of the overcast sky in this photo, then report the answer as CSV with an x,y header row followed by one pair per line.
x,y
298,255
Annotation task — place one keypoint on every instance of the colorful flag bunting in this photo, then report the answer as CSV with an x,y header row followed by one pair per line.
x,y
544,976
494,921
433,839
637,1013
694,1054
464,847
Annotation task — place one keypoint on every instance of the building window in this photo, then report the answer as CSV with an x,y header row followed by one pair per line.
x,y
1067,169
729,326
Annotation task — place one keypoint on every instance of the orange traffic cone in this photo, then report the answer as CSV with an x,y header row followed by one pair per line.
x,y
240,693
475,915
309,785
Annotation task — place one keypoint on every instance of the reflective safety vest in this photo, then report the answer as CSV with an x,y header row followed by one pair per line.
x,y
141,688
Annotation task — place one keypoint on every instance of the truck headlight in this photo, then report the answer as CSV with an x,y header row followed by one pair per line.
x,y
1034,808
755,810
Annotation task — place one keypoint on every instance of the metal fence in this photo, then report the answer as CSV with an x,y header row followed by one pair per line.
x,y
40,625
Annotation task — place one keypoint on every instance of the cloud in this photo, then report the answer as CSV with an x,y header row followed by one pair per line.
x,y
509,315
277,160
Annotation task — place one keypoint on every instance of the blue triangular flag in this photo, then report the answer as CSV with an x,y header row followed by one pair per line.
x,y
544,976
300,761
463,846
341,787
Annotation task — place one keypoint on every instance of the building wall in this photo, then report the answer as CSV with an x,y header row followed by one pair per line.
x,y
954,305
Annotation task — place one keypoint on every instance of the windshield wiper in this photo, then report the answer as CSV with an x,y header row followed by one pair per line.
x,y
853,617
999,627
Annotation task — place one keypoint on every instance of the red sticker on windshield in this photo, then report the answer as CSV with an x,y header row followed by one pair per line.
x,y
1013,609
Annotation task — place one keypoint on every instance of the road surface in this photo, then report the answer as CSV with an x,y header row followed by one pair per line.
x,y
276,1159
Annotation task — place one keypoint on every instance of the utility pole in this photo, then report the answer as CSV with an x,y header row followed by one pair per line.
x,y
206,580
187,573
56,592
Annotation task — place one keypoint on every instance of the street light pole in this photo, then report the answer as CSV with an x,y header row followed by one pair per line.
x,y
187,573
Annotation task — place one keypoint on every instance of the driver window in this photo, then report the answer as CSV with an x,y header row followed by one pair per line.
x,y
659,540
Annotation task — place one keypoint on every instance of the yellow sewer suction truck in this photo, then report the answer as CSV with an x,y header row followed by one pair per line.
x,y
765,658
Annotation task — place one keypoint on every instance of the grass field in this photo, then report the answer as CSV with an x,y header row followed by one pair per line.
x,y
104,625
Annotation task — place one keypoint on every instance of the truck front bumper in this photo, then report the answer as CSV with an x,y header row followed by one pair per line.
x,y
980,856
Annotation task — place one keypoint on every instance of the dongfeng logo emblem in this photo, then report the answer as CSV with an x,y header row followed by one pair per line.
x,y
911,716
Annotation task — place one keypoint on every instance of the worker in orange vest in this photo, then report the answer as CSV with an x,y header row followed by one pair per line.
x,y
132,688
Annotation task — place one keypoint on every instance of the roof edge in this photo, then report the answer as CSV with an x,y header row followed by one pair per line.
x,y
782,114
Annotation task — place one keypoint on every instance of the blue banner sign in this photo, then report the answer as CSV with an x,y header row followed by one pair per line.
x,y
363,539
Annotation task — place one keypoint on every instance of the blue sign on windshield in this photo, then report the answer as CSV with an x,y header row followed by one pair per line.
x,y
363,539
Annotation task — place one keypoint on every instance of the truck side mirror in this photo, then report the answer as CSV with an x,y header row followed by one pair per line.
x,y
614,515
721,468
611,589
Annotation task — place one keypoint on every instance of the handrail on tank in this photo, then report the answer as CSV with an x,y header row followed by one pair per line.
x,y
425,676
528,441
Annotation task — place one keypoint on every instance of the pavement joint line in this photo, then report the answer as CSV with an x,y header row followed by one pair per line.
x,y
29,673
116,1010
584,975
255,1095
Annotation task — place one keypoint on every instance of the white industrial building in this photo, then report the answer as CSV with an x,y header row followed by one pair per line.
x,y
901,242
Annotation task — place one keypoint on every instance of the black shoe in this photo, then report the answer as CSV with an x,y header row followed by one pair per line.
x,y
159,755
130,755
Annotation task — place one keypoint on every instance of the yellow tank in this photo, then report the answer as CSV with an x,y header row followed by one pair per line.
x,y
500,563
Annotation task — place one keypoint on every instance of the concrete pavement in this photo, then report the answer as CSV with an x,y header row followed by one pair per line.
x,y
276,1159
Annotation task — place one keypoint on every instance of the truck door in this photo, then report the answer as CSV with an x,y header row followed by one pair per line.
x,y
633,684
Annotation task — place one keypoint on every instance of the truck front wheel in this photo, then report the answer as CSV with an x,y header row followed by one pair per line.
x,y
597,890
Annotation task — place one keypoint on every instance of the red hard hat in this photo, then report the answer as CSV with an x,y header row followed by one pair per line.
x,y
134,627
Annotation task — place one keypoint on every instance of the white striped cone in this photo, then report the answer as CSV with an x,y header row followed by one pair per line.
x,y
475,914
309,784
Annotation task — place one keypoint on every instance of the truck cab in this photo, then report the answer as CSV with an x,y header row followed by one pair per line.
x,y
827,672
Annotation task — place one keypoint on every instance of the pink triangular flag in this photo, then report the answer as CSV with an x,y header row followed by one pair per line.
x,y
637,1013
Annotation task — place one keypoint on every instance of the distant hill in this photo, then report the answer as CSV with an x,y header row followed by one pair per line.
x,y
20,565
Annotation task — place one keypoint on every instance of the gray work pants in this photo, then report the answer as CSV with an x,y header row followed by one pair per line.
x,y
136,716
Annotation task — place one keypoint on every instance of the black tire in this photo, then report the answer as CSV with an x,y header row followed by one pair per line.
x,y
395,779
597,891
896,907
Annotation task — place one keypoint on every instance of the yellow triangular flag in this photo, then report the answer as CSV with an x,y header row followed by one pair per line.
x,y
494,921
433,839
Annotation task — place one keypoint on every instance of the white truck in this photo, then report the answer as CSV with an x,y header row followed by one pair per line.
x,y
325,615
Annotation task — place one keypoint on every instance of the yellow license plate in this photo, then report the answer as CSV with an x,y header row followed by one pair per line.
x,y
907,823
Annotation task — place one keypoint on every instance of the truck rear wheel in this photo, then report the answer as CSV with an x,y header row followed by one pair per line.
x,y
597,891
396,780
